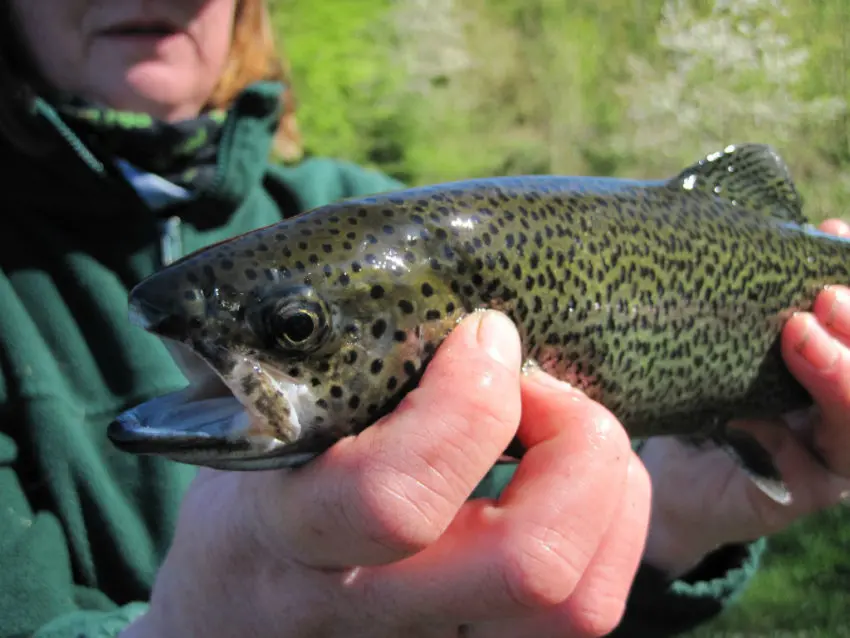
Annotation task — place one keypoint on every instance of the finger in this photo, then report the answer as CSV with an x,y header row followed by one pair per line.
x,y
393,489
530,548
597,605
832,309
836,227
822,365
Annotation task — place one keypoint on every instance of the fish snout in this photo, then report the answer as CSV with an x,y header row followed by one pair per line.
x,y
169,314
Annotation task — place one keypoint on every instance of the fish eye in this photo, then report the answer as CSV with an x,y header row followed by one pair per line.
x,y
294,328
297,326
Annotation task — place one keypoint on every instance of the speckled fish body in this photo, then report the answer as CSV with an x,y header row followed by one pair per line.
x,y
663,300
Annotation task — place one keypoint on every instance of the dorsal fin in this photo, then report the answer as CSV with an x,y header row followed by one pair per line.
x,y
749,175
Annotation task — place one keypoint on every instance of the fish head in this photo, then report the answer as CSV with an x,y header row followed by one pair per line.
x,y
292,337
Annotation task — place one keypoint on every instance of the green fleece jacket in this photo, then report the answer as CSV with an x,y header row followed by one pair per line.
x,y
83,527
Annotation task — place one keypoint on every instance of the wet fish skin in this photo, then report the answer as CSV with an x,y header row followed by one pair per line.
x,y
664,300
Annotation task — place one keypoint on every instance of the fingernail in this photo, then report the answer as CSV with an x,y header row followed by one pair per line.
x,y
844,498
499,338
817,347
838,318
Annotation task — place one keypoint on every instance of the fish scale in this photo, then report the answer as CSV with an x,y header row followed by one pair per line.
x,y
663,300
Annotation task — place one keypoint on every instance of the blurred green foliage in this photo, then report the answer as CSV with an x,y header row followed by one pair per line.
x,y
431,90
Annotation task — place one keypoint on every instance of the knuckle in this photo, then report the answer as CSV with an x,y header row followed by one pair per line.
x,y
599,617
380,511
534,573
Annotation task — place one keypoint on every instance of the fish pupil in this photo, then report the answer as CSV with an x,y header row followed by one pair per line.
x,y
297,327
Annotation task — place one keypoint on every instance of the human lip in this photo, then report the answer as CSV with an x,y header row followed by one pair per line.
x,y
141,28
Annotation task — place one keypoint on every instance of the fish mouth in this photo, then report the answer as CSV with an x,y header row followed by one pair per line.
x,y
206,424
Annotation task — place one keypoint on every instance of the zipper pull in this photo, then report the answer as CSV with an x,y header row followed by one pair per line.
x,y
170,240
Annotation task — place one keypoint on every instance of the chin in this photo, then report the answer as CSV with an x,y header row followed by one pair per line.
x,y
158,90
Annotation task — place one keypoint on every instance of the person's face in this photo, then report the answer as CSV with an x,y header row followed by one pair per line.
x,y
162,57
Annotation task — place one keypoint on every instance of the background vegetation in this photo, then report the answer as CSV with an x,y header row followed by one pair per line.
x,y
432,90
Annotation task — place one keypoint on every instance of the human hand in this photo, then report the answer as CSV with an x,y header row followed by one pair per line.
x,y
377,537
702,499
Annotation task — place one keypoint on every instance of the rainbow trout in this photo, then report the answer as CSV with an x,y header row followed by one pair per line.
x,y
663,300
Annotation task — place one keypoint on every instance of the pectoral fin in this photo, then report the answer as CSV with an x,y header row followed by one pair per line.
x,y
756,462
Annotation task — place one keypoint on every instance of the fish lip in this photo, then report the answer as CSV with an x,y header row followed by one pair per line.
x,y
129,433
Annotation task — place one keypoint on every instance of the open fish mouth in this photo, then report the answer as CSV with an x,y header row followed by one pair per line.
x,y
206,424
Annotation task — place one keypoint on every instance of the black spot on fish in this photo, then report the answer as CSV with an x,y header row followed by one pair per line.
x,y
379,328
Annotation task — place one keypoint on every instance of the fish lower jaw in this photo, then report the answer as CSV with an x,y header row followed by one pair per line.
x,y
214,423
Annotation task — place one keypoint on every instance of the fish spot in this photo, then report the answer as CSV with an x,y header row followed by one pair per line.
x,y
354,402
251,274
400,336
377,292
336,392
379,328
427,289
377,366
405,306
410,368
432,315
350,357
392,383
